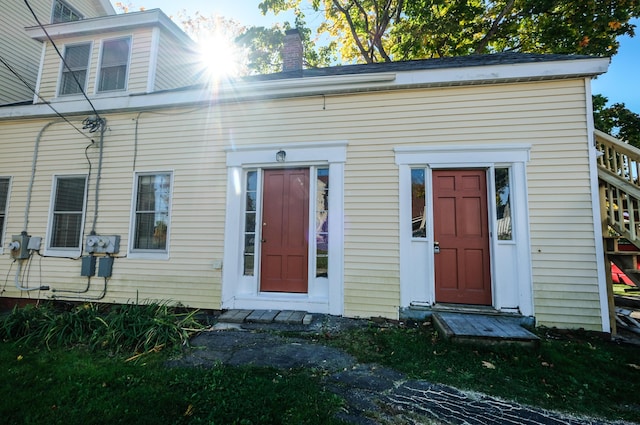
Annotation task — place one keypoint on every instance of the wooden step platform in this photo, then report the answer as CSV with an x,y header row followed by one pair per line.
x,y
287,317
481,328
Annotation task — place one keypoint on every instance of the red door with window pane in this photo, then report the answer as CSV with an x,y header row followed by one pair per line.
x,y
285,229
460,218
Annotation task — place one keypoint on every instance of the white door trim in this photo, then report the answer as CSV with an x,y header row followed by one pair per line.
x,y
417,281
239,291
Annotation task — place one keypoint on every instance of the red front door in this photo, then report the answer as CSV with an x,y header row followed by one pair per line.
x,y
462,268
285,229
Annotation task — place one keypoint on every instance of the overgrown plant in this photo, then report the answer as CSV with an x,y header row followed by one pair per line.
x,y
117,328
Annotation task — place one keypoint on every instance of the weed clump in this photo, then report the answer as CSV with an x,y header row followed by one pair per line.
x,y
117,328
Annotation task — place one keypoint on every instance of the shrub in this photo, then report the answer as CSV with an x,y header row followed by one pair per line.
x,y
118,328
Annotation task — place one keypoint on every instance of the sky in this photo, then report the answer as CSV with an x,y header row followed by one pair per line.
x,y
621,84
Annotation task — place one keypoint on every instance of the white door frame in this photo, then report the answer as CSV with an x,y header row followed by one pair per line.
x,y
326,295
417,275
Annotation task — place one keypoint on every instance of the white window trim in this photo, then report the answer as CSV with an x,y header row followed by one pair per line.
x,y
73,9
3,231
96,89
488,157
243,158
149,254
62,68
65,252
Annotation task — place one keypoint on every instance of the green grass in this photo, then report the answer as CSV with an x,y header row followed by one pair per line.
x,y
69,364
62,386
571,372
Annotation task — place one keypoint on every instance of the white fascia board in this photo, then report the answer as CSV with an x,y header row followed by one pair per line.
x,y
534,71
237,91
229,92
110,23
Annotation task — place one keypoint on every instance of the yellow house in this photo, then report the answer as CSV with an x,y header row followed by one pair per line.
x,y
364,190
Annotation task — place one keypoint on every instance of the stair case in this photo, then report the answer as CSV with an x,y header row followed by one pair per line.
x,y
618,174
619,181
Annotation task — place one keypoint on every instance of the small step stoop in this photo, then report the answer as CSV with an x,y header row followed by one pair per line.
x,y
484,329
285,317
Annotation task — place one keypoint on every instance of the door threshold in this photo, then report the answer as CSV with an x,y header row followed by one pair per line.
x,y
466,308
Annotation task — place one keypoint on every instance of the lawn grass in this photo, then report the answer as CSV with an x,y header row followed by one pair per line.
x,y
78,386
573,372
71,366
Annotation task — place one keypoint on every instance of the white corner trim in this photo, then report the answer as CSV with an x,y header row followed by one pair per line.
x,y
595,206
39,78
153,59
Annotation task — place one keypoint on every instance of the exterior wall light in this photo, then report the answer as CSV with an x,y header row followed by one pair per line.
x,y
281,155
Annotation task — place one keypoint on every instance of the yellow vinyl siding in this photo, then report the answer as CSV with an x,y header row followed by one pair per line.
x,y
177,65
88,8
22,53
550,116
188,276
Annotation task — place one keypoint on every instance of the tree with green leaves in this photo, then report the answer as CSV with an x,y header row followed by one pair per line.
x,y
265,46
368,31
616,120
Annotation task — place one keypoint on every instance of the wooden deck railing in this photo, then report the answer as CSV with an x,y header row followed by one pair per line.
x,y
619,172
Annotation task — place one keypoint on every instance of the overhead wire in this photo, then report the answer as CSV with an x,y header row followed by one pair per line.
x,y
45,101
80,86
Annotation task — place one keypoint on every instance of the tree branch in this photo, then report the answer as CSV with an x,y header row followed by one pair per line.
x,y
363,51
482,44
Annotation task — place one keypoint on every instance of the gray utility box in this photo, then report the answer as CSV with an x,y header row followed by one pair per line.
x,y
98,244
19,246
105,266
88,266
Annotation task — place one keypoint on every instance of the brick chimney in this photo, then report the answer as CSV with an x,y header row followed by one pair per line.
x,y
292,51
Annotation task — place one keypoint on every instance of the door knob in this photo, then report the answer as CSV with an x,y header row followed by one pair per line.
x,y
436,247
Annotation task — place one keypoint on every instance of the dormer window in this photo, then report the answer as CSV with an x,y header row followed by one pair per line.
x,y
114,64
77,59
62,12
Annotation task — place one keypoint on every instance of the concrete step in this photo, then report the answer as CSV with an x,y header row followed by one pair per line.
x,y
288,317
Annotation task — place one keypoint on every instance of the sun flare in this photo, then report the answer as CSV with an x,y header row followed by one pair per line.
x,y
220,57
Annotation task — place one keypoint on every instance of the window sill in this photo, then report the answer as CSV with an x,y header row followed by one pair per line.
x,y
63,253
136,255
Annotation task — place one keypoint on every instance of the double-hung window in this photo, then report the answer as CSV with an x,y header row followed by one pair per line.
x,y
114,62
73,79
151,214
62,12
4,202
67,215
